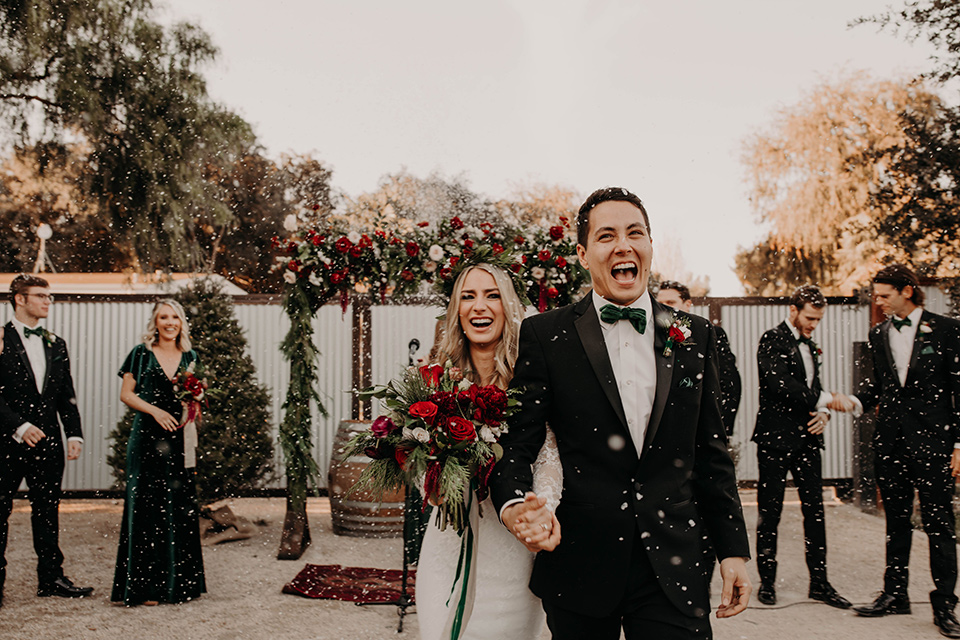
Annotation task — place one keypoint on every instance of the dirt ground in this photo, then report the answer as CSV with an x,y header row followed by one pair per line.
x,y
244,581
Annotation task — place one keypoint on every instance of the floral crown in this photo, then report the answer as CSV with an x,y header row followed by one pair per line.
x,y
483,254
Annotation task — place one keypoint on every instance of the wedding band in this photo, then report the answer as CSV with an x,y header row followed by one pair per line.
x,y
544,526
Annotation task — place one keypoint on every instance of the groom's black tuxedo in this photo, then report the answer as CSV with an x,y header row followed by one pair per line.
x,y
917,426
42,466
613,504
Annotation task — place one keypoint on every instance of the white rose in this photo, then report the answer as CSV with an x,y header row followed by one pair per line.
x,y
290,222
314,280
407,434
538,273
925,328
464,385
429,266
421,435
436,252
289,277
487,435
353,237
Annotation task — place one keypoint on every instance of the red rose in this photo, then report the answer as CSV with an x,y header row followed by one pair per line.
x,y
552,292
336,277
516,267
446,402
468,243
424,410
560,262
497,249
676,334
381,451
523,259
316,207
431,374
556,232
423,224
356,251
396,241
193,386
454,260
544,255
317,240
365,241
407,275
565,220
292,247
382,427
519,240
445,273
275,242
294,265
491,402
400,455
412,249
456,223
380,234
343,244
460,429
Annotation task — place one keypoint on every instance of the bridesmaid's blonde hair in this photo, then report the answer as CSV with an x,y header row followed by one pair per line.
x,y
152,336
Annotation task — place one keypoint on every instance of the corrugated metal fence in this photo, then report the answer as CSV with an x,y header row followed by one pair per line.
x,y
100,333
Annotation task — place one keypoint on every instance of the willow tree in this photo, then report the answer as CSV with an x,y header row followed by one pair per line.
x,y
815,174
106,72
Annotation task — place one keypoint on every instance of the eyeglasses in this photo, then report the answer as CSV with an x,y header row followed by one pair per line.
x,y
47,297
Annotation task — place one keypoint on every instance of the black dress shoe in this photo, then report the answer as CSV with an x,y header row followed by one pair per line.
x,y
827,594
947,623
63,588
767,594
885,604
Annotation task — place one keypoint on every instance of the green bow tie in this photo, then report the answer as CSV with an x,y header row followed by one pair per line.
x,y
809,341
611,313
898,323
27,332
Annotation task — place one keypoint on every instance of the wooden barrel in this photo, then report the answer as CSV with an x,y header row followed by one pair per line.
x,y
360,514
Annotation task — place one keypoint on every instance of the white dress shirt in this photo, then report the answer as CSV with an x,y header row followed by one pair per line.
x,y
808,365
37,357
901,344
634,365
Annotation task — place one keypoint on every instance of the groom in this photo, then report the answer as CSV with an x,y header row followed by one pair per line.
x,y
630,388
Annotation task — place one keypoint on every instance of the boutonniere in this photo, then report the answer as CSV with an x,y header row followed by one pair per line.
x,y
816,351
678,333
49,338
924,330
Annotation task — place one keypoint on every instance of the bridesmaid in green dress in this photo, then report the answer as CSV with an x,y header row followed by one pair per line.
x,y
159,558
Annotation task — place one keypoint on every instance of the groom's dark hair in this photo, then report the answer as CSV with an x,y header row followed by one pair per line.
x,y
604,195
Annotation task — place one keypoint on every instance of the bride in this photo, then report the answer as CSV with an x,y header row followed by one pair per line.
x,y
481,336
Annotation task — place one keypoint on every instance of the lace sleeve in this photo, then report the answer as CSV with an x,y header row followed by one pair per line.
x,y
547,472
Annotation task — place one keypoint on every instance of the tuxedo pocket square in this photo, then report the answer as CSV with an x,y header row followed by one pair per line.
x,y
686,383
927,350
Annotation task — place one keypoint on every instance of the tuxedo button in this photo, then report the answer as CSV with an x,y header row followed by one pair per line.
x,y
636,485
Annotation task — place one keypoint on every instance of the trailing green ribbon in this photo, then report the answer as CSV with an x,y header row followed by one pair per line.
x,y
464,568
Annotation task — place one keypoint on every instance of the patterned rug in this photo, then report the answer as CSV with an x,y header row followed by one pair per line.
x,y
351,584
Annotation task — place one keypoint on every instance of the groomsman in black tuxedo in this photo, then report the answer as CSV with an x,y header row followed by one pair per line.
x,y
677,295
35,388
789,437
630,389
916,385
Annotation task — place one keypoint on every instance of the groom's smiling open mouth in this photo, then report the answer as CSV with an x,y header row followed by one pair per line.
x,y
618,251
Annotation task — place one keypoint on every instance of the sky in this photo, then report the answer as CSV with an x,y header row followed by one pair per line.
x,y
654,96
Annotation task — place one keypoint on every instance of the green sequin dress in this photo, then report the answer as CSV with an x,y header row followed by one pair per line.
x,y
159,557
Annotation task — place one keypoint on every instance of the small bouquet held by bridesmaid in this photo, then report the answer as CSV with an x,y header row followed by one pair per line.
x,y
192,387
438,428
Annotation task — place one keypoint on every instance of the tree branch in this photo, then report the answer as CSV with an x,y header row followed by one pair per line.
x,y
31,98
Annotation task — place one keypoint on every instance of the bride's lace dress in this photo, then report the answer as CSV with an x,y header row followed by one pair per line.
x,y
503,607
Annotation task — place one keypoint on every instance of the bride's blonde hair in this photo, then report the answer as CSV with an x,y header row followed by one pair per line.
x,y
454,344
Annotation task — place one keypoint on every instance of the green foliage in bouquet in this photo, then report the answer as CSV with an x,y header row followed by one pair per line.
x,y
439,430
236,448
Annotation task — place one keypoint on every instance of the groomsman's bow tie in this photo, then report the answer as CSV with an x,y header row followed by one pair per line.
x,y
611,313
900,324
27,332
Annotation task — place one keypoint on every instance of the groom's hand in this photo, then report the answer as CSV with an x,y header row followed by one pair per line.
x,y
736,587
535,526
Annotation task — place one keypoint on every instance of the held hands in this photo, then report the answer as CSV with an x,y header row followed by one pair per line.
x,y
736,587
533,524
165,420
74,448
841,402
818,422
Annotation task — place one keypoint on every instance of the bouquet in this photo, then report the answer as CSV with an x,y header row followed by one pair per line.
x,y
438,427
192,388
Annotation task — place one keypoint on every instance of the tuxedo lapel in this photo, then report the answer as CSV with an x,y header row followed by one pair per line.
x,y
591,337
885,339
48,354
918,341
798,365
663,318
17,346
